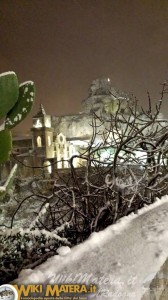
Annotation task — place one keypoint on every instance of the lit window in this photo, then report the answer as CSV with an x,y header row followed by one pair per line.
x,y
49,140
38,141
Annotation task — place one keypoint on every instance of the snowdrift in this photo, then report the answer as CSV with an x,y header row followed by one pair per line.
x,y
122,260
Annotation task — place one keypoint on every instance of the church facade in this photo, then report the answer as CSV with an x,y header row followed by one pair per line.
x,y
55,139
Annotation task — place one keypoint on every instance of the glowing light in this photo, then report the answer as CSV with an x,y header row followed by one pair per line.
x,y
49,169
39,141
105,155
47,164
49,141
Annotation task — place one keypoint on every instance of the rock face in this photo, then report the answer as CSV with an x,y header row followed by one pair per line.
x,y
100,86
71,126
102,99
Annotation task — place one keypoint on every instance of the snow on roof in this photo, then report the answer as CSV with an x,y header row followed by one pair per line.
x,y
25,154
78,142
83,138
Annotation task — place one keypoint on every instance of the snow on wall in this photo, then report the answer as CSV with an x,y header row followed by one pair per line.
x,y
121,260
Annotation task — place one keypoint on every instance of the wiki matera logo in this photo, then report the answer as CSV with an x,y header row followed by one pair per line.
x,y
8,292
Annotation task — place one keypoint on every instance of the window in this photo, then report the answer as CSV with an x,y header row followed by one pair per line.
x,y
39,141
49,140
38,124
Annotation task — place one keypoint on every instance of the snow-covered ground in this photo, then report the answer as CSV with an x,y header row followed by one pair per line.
x,y
121,260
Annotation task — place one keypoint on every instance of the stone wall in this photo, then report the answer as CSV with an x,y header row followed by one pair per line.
x,y
73,126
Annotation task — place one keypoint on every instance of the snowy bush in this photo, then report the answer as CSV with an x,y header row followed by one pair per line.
x,y
29,246
20,248
123,168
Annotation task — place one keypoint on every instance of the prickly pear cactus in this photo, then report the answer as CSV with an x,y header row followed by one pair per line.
x,y
16,102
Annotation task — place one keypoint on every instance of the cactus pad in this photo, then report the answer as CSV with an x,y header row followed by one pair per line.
x,y
22,106
9,91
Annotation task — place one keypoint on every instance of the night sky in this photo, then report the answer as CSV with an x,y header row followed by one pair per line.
x,y
62,45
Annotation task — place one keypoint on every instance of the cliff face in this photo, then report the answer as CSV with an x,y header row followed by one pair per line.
x,y
102,99
73,126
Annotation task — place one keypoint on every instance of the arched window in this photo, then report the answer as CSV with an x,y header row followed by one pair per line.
x,y
39,141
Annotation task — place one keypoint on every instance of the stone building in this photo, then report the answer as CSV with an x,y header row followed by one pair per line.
x,y
57,138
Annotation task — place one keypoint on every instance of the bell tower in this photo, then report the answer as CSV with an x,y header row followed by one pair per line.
x,y
42,134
